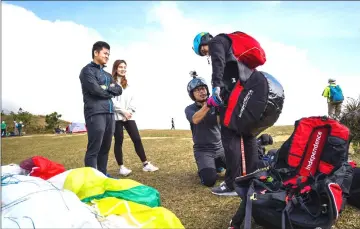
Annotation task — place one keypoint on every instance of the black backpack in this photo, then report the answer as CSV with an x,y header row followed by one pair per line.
x,y
307,185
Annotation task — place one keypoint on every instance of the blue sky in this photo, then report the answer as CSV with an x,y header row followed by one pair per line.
x,y
301,24
306,43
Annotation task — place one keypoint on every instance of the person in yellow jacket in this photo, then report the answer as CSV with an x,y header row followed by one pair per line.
x,y
334,96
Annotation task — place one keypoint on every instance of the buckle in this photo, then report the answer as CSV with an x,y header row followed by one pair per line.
x,y
253,196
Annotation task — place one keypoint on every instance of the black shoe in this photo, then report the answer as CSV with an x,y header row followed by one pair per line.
x,y
223,190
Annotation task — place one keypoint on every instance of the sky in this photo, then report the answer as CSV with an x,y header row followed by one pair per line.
x,y
46,44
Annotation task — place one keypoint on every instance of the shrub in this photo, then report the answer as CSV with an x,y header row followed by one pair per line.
x,y
351,118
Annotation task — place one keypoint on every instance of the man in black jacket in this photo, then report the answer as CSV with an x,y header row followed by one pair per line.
x,y
226,70
98,87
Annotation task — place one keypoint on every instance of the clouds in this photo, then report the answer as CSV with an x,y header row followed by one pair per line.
x,y
42,61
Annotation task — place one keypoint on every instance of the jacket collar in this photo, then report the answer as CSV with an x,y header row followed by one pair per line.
x,y
92,63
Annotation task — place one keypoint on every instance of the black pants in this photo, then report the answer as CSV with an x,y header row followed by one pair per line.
x,y
208,176
232,146
133,132
100,129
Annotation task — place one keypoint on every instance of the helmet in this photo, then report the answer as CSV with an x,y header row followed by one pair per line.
x,y
194,83
331,80
200,39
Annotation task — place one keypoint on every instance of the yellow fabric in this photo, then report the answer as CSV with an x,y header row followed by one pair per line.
x,y
84,182
138,215
326,92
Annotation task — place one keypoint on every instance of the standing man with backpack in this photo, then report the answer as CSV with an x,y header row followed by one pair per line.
x,y
335,98
249,101
243,96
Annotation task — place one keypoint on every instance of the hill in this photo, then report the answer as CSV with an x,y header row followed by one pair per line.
x,y
35,125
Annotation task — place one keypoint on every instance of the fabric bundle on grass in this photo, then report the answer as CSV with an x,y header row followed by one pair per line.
x,y
77,198
88,184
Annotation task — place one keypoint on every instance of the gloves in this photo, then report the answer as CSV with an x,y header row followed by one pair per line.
x,y
215,99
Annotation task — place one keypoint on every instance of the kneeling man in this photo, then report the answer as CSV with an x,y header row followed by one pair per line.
x,y
205,128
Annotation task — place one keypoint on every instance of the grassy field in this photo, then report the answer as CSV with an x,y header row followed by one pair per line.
x,y
177,179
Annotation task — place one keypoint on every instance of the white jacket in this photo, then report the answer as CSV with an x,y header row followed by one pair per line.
x,y
124,102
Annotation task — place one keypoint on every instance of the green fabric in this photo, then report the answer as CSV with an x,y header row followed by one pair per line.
x,y
3,126
140,194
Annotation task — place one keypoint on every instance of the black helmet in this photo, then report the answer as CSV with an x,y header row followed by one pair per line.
x,y
194,83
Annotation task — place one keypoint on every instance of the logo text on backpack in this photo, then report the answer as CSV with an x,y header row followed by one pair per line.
x,y
314,151
246,99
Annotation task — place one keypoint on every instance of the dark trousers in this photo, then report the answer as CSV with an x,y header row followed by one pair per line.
x,y
232,147
134,134
100,129
209,175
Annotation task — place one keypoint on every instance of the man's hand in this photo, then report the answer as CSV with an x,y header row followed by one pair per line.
x,y
215,99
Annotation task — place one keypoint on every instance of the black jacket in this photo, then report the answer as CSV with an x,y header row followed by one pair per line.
x,y
226,70
96,99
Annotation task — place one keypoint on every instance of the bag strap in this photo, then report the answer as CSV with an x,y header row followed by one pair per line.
x,y
285,215
248,207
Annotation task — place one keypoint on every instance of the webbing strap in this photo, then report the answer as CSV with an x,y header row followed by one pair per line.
x,y
285,216
248,207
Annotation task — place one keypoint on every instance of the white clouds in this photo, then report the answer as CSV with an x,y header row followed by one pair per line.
x,y
42,61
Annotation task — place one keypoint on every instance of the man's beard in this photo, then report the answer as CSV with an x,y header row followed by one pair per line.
x,y
201,101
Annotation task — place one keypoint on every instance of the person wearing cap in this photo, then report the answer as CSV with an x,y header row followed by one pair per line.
x,y
204,123
335,98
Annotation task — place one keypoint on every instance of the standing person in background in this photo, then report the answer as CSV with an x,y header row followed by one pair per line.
x,y
19,127
3,128
335,98
172,124
98,88
124,116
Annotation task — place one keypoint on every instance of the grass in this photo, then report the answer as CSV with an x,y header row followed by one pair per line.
x,y
177,179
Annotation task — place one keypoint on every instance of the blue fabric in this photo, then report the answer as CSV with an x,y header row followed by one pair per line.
x,y
336,94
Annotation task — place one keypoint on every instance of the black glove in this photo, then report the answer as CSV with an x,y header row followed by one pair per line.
x,y
266,139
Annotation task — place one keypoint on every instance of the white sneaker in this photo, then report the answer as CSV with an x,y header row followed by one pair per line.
x,y
124,171
150,168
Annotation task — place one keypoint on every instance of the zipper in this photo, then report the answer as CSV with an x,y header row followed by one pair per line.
x,y
108,85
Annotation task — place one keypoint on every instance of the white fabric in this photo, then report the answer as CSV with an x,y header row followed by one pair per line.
x,y
12,169
31,202
124,102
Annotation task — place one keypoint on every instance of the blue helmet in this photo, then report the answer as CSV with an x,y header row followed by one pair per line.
x,y
202,38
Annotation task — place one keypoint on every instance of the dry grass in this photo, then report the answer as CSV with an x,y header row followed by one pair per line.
x,y
176,180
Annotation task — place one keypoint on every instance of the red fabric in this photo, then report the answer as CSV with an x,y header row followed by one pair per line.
x,y
302,135
247,50
313,152
232,102
46,168
336,194
353,164
325,168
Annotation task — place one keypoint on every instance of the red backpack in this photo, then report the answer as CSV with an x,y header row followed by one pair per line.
x,y
247,50
307,185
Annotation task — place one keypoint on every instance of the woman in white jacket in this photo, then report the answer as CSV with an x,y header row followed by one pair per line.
x,y
124,117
